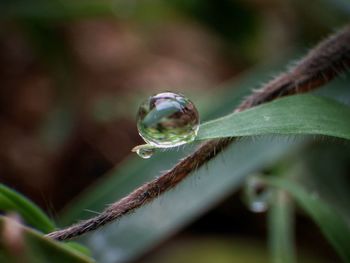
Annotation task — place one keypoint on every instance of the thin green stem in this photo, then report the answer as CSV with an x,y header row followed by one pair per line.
x,y
281,228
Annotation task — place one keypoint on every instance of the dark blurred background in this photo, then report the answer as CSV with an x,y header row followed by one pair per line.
x,y
72,74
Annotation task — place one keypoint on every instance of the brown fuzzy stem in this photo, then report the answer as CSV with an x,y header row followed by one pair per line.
x,y
323,63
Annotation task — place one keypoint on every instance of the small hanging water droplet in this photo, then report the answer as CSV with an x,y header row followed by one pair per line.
x,y
145,151
167,120
256,195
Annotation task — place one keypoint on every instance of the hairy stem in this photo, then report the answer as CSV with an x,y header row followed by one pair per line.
x,y
324,62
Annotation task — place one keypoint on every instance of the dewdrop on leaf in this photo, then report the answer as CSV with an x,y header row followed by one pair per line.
x,y
166,120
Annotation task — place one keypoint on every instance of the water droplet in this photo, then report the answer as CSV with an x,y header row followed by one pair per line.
x,y
145,151
256,195
167,120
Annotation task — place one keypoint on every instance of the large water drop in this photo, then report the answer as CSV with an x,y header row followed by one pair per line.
x,y
167,120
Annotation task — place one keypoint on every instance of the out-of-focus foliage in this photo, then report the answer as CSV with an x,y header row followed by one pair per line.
x,y
12,201
333,225
23,244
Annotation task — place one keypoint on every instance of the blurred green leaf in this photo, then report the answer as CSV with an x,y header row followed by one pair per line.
x,y
281,228
331,223
321,160
78,247
10,201
35,248
301,114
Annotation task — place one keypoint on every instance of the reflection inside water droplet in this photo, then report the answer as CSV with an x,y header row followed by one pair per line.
x,y
167,120
256,195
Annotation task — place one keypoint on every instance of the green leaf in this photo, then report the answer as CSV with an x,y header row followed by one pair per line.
x,y
10,201
34,247
301,114
331,223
